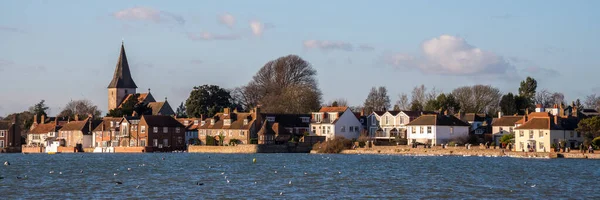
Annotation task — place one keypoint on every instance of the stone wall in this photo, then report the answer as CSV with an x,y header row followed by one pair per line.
x,y
249,148
130,150
66,150
450,151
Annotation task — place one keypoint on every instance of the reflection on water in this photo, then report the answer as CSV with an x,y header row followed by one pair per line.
x,y
182,175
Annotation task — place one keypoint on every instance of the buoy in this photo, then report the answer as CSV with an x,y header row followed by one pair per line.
x,y
6,163
290,183
115,174
254,160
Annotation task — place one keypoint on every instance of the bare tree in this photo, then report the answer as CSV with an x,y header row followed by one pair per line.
x,y
403,103
338,102
418,95
81,108
592,101
558,98
377,100
285,85
478,98
544,98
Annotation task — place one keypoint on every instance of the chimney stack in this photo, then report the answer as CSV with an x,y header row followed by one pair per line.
x,y
500,114
43,119
556,119
76,117
574,112
226,111
35,119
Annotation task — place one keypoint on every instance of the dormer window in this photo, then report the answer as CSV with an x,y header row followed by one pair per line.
x,y
227,122
203,123
318,117
270,119
186,123
117,124
196,122
212,121
112,124
245,121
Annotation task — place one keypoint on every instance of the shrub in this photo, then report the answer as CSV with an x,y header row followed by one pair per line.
x,y
402,141
362,141
210,141
333,146
596,142
233,142
505,139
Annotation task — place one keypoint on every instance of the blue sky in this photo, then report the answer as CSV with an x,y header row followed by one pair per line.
x,y
63,50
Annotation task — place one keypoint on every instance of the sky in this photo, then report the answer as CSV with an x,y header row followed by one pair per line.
x,y
60,51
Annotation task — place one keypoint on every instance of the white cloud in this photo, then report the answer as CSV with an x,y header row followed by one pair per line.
x,y
257,27
366,47
227,19
212,36
334,45
148,14
452,55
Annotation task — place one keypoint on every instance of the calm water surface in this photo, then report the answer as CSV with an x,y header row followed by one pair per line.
x,y
92,176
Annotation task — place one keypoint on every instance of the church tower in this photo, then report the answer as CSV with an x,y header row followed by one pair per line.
x,y
122,84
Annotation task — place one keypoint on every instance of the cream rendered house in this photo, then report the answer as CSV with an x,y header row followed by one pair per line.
x,y
542,129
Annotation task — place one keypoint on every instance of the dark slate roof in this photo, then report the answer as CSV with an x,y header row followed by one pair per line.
x,y
379,113
122,77
416,114
161,121
288,120
438,120
472,117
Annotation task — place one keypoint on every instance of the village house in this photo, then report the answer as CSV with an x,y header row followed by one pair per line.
x,y
10,134
78,133
280,128
233,127
44,131
105,134
536,132
436,129
332,122
159,133
122,87
504,125
191,128
389,125
479,122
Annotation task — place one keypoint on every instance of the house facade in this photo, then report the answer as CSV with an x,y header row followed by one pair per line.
x,y
158,133
479,122
387,125
539,130
78,133
106,133
280,128
332,122
504,125
43,134
10,134
231,126
191,128
436,129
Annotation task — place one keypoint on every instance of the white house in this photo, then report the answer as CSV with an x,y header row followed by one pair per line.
x,y
333,122
436,129
542,129
385,125
504,125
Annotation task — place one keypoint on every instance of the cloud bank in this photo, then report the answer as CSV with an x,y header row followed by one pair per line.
x,y
148,14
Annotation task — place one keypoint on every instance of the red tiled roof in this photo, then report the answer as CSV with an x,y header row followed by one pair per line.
x,y
506,120
45,128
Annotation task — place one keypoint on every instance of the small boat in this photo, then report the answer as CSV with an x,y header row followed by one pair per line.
x,y
51,153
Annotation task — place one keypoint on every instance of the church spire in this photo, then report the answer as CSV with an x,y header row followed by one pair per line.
x,y
122,77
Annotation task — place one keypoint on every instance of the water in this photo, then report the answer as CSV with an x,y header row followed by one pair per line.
x,y
311,176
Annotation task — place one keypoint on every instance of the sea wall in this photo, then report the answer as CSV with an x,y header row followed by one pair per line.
x,y
25,149
252,148
130,149
450,151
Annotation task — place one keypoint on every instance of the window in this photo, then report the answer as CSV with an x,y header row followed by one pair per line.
x,y
165,129
501,129
530,134
305,120
212,121
414,130
541,133
373,120
541,145
521,144
112,124
520,133
179,140
421,129
387,120
2,133
195,122
572,135
165,142
202,123
343,129
202,132
429,129
314,129
318,117
242,133
186,123
230,133
511,129
143,129
177,130
578,134
328,129
1,143
227,122
351,128
356,129
143,143
155,142
155,129
117,123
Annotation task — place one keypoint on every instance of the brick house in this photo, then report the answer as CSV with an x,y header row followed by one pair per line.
x,y
191,128
105,134
10,134
160,133
240,126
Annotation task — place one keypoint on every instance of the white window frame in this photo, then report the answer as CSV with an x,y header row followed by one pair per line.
x,y
165,129
2,133
177,129
143,129
155,129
